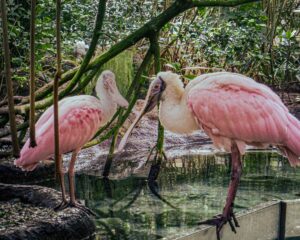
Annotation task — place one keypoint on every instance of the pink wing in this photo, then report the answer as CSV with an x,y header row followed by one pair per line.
x,y
79,119
239,112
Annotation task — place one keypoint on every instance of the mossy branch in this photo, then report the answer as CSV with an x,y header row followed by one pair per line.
x,y
153,25
218,3
134,88
91,50
136,85
154,46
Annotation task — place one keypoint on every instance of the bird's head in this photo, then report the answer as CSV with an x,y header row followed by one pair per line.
x,y
165,83
107,82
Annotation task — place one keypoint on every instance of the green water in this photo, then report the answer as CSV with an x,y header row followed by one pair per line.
x,y
195,185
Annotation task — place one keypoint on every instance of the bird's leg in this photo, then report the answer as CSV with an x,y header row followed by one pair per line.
x,y
71,177
73,202
61,174
228,215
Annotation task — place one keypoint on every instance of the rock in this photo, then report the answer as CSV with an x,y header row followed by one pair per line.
x,y
31,215
12,174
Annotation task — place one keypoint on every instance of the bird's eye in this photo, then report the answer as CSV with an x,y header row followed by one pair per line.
x,y
156,87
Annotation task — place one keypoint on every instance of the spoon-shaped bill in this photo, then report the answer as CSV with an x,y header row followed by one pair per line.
x,y
153,97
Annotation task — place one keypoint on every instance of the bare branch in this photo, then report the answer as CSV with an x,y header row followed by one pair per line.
x,y
12,117
32,75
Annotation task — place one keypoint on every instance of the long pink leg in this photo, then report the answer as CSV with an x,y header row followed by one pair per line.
x,y
236,172
73,202
61,173
228,215
71,177
62,181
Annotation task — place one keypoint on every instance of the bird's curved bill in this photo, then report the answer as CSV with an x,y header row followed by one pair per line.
x,y
120,100
153,96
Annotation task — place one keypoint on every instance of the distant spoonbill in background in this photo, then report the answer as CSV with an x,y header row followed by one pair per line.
x,y
79,119
234,111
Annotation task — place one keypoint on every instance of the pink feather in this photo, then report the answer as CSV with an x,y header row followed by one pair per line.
x,y
231,107
79,119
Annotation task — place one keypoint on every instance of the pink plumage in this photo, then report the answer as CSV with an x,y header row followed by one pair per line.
x,y
79,119
234,111
232,107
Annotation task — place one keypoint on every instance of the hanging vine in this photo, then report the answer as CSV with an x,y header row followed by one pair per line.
x,y
32,75
11,111
57,156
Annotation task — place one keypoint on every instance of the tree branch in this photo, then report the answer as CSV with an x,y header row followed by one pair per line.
x,y
91,50
221,3
12,117
32,75
135,86
154,46
58,159
154,24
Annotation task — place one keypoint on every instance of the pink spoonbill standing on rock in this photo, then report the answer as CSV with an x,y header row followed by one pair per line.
x,y
234,111
79,119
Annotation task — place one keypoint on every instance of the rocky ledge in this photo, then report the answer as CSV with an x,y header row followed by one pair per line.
x,y
12,174
26,212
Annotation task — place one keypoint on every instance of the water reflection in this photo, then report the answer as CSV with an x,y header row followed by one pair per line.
x,y
196,187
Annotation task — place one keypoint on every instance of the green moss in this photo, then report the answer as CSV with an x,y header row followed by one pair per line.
x,y
122,66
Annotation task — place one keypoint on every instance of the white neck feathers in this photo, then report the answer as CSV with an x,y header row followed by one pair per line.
x,y
174,113
107,105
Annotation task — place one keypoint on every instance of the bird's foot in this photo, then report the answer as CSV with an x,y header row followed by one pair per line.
x,y
220,220
81,207
64,204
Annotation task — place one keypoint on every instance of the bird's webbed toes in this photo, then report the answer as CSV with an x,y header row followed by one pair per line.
x,y
64,204
220,220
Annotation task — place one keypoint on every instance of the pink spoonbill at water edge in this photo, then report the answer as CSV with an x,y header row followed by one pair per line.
x,y
80,117
234,111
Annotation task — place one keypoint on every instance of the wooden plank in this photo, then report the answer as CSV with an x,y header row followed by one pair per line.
x,y
293,218
258,223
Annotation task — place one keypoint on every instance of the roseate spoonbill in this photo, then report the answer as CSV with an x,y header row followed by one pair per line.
x,y
233,110
80,48
79,119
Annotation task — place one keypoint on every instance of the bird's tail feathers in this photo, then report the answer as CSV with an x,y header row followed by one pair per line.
x,y
29,157
292,149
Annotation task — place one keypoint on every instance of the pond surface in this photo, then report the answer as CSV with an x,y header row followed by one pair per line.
x,y
192,188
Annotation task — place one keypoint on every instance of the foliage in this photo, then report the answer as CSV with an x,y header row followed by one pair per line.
x,y
77,24
233,40
241,39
